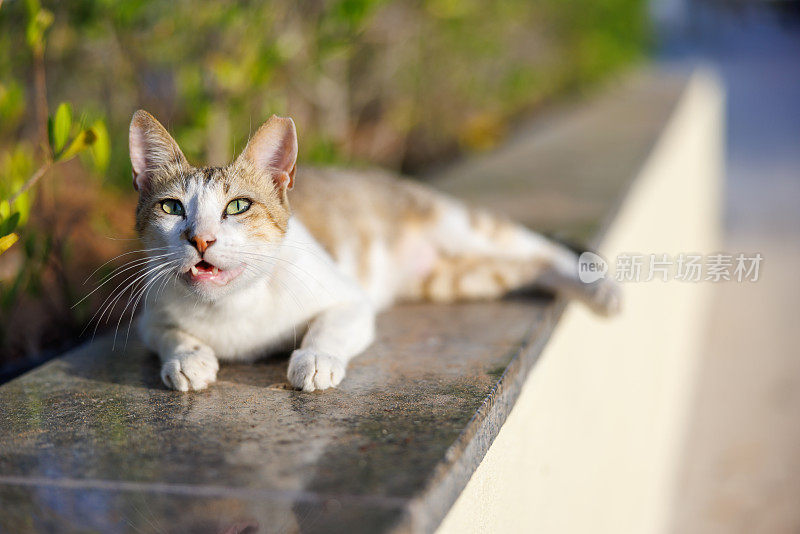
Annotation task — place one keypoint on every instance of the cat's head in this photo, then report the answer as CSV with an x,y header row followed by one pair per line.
x,y
212,228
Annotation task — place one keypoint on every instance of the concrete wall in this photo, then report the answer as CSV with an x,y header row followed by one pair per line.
x,y
593,442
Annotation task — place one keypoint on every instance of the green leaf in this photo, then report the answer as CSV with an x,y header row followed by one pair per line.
x,y
9,225
84,140
23,206
38,23
62,124
101,148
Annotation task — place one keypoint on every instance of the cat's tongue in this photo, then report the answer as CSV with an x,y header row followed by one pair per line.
x,y
204,271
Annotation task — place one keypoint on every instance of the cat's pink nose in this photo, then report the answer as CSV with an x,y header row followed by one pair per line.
x,y
202,242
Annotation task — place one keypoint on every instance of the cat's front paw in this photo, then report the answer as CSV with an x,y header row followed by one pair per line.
x,y
310,370
194,370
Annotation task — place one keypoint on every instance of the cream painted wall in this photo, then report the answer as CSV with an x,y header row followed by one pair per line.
x,y
593,442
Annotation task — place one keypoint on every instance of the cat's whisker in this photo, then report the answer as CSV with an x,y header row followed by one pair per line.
x,y
140,285
164,285
150,273
142,262
311,293
133,293
305,247
139,251
111,300
270,262
147,287
120,238
263,271
165,274
111,295
253,255
135,278
136,260
260,249
135,264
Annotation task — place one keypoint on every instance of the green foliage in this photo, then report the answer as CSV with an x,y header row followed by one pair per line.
x,y
15,199
16,170
100,150
59,127
392,82
39,21
9,224
93,139
15,167
81,142
398,83
12,104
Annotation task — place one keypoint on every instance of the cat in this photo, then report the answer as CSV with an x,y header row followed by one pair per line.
x,y
238,273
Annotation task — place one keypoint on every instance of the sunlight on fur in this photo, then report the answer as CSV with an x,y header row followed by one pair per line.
x,y
241,263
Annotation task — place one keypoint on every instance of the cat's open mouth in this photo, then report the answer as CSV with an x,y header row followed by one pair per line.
x,y
204,271
204,268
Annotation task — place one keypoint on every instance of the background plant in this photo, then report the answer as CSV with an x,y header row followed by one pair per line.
x,y
57,139
398,83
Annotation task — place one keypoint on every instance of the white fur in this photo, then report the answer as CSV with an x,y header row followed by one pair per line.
x,y
278,292
384,279
293,291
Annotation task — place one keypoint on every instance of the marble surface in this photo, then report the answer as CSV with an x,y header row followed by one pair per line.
x,y
93,440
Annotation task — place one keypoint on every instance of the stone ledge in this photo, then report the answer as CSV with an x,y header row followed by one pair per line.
x,y
595,437
92,441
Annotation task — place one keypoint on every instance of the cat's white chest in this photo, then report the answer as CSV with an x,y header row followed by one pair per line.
x,y
249,326
271,314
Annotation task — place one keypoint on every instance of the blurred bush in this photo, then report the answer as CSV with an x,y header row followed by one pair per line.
x,y
399,83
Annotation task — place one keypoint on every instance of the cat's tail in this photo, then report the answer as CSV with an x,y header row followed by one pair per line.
x,y
482,256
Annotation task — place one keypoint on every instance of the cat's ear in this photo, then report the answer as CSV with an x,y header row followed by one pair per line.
x,y
273,150
151,147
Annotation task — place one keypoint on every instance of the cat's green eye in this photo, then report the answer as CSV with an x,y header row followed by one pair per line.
x,y
235,207
172,206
